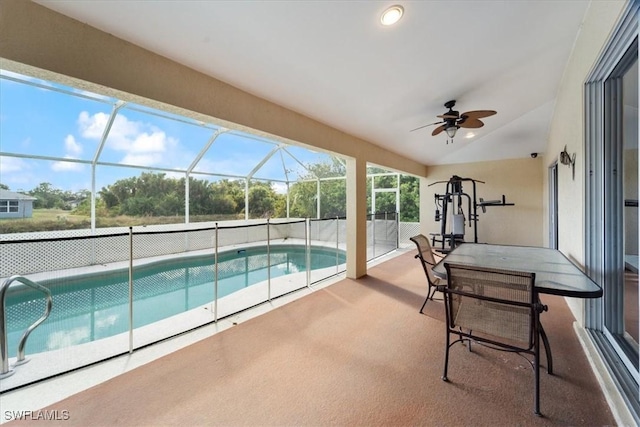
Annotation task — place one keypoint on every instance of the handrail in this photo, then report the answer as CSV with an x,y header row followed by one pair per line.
x,y
4,346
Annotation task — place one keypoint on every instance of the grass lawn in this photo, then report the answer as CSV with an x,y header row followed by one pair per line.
x,y
56,215
59,219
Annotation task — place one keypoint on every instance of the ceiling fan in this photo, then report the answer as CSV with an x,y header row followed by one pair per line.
x,y
452,120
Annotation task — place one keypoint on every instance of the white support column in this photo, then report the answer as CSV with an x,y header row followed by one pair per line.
x,y
356,218
425,207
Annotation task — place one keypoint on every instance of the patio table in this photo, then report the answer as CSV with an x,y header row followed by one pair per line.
x,y
555,273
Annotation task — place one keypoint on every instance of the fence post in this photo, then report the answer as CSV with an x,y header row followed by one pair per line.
x,y
337,242
397,229
386,228
373,235
268,261
215,279
307,244
130,290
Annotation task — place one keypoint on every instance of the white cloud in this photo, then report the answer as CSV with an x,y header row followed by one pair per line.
x,y
175,175
279,187
67,166
71,146
142,159
16,173
92,127
12,164
149,143
143,144
123,132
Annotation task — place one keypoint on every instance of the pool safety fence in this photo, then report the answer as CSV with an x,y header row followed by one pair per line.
x,y
115,293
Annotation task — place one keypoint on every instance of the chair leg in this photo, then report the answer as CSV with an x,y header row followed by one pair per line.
x,y
425,303
430,295
446,359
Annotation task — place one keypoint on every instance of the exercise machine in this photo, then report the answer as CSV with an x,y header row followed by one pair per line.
x,y
454,209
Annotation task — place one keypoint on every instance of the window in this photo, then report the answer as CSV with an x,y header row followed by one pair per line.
x,y
612,193
9,206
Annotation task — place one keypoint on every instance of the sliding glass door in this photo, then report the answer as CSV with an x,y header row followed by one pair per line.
x,y
611,215
621,316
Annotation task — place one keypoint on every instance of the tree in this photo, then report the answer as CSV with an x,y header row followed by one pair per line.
x,y
409,198
227,197
333,198
262,199
155,194
150,194
84,208
303,194
48,197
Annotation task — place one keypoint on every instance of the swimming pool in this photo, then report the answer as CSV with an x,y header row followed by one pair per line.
x,y
93,307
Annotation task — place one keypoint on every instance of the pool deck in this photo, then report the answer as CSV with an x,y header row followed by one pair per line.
x,y
347,352
151,337
46,364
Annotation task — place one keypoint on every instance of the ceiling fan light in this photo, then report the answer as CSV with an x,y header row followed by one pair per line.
x,y
451,131
392,15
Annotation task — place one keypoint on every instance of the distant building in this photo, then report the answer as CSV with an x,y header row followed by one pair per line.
x,y
15,205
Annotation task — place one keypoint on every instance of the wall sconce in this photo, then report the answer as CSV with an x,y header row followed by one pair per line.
x,y
569,160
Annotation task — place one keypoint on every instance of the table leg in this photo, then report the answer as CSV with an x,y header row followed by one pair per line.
x,y
547,350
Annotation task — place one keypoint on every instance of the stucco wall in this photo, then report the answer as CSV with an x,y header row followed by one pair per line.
x,y
567,128
520,181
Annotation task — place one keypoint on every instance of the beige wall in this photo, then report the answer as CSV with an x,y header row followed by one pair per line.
x,y
567,128
520,181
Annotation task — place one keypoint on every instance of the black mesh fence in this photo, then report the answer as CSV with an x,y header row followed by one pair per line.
x,y
180,280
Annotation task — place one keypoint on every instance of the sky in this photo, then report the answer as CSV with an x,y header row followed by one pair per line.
x,y
48,123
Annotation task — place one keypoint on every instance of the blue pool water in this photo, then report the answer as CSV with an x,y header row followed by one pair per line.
x,y
96,306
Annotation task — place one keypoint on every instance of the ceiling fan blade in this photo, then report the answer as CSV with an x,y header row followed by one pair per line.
x,y
438,129
448,116
424,126
478,114
470,123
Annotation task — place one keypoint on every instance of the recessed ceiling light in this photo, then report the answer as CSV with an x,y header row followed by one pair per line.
x,y
470,135
392,15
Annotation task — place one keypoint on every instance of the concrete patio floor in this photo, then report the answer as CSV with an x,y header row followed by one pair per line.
x,y
356,352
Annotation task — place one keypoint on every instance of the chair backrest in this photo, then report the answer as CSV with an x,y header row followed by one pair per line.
x,y
426,256
499,303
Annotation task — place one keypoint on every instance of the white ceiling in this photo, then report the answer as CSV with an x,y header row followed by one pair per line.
x,y
333,61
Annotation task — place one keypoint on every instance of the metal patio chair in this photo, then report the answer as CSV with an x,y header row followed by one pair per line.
x,y
496,308
425,254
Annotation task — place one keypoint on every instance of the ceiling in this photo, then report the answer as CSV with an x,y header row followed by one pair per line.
x,y
333,61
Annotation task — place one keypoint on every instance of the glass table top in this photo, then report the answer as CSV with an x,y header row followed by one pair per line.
x,y
555,273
